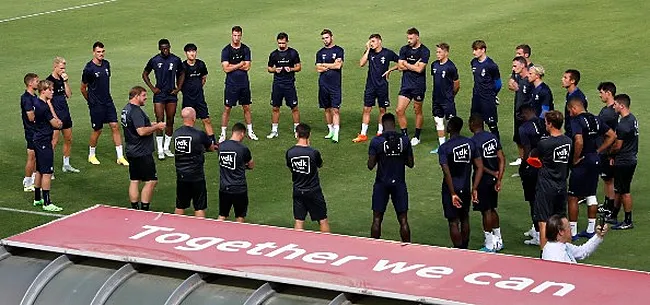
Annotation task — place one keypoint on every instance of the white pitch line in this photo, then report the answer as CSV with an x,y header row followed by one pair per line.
x,y
31,212
56,11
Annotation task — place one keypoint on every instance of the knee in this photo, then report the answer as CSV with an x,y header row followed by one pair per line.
x,y
400,111
335,111
112,125
246,108
207,121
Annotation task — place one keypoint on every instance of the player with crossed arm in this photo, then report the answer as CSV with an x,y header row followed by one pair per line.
x,y
542,96
446,85
27,113
329,62
62,92
284,62
523,96
413,59
487,84
378,59
196,74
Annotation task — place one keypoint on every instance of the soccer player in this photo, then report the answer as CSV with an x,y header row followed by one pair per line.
x,y
446,85
27,112
138,135
378,59
44,123
96,89
304,162
542,96
624,159
583,182
329,62
235,62
390,152
607,91
196,73
494,163
524,51
189,146
570,80
487,84
62,93
531,131
554,155
234,160
170,76
456,157
283,63
413,60
523,95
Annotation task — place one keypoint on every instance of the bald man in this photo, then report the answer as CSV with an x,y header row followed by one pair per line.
x,y
190,144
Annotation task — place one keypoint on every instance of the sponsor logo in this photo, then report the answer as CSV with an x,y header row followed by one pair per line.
x,y
561,153
462,153
301,164
227,159
183,144
490,149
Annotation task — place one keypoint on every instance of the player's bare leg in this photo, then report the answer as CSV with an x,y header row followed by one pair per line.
x,y
199,213
275,120
324,226
419,122
67,147
402,103
170,114
30,167
117,140
225,118
336,123
207,126
159,111
365,121
147,193
92,143
248,118
375,229
404,229
299,225
328,120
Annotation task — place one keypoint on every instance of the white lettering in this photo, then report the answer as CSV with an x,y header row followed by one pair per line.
x,y
150,230
348,259
172,238
233,246
434,272
397,268
515,283
472,278
566,288
320,257
199,243
256,250
288,248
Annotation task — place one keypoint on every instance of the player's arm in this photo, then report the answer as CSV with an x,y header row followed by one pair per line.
x,y
401,65
56,123
180,79
478,164
49,105
250,164
270,67
409,161
448,180
246,60
502,169
616,147
546,102
321,67
144,131
296,67
84,90
512,85
578,145
68,91
204,79
228,67
372,161
246,65
418,67
337,65
609,138
319,159
147,81
248,158
364,57
31,116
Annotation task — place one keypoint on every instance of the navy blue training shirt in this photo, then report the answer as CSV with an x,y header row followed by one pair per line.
x,y
458,153
444,76
627,131
378,64
281,59
59,100
330,79
234,56
591,128
609,116
392,150
193,85
542,96
567,118
412,79
27,101
486,73
42,127
488,145
98,79
166,69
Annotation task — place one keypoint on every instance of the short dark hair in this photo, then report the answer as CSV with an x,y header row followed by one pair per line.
x,y
623,99
163,41
444,46
388,118
479,44
455,124
527,107
237,29
29,77
574,75
375,36
521,60
326,31
282,36
238,127
554,225
413,31
135,91
476,120
608,87
98,44
525,48
555,118
303,130
190,47
45,84
577,101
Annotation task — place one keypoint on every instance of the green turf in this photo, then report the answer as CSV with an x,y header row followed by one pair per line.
x,y
604,40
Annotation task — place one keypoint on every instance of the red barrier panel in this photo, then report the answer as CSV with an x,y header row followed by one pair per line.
x,y
342,263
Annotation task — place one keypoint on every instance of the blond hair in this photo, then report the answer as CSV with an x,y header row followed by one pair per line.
x,y
58,60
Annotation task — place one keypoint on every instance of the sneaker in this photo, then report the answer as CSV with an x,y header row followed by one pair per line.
x,y
498,244
53,176
222,138
415,141
52,208
330,135
623,226
161,155
575,237
70,169
168,153
273,134
485,249
335,138
360,138
122,161
584,234
252,136
93,160
434,151
28,188
611,221
603,210
516,162
530,233
532,242
39,202
515,175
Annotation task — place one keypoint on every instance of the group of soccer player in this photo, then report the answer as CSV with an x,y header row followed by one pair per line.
x,y
602,145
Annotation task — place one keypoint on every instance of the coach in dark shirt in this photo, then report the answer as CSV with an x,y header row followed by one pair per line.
x,y
138,135
189,146
234,160
304,162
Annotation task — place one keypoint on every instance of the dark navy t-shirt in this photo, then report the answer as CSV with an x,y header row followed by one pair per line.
x,y
412,79
166,69
132,118
233,157
458,153
627,131
567,118
444,76
281,59
609,116
524,95
43,129
486,73
378,64
392,150
555,154
238,78
98,79
59,100
190,144
488,145
542,96
304,163
27,101
590,127
330,79
193,84
531,132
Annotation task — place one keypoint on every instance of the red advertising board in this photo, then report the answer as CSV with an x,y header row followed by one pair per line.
x,y
358,265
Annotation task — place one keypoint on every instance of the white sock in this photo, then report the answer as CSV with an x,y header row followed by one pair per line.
x,y
159,141
574,228
274,127
119,152
488,240
364,129
33,176
330,127
591,227
441,140
294,126
497,232
336,130
223,131
536,235
66,161
249,127
26,181
168,141
91,151
380,128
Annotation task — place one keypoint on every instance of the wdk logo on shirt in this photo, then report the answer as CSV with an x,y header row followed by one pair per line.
x,y
183,144
490,149
561,153
301,164
462,153
227,159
